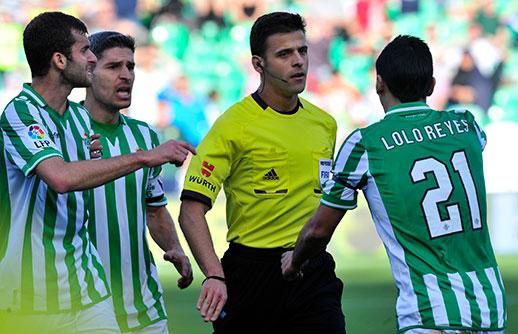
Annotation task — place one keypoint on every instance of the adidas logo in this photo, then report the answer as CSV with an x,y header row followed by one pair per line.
x,y
271,175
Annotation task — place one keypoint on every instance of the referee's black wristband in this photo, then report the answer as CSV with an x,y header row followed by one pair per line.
x,y
219,278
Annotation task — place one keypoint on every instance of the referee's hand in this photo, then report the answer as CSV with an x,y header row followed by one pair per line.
x,y
213,297
289,272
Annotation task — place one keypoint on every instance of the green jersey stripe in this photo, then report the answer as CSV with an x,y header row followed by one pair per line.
x,y
51,274
440,315
460,295
481,300
450,300
130,190
27,273
470,294
487,290
499,297
5,205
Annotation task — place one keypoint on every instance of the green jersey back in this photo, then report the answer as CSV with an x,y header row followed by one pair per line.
x,y
118,229
422,174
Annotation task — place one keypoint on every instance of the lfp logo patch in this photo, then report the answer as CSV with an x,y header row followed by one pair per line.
x,y
35,132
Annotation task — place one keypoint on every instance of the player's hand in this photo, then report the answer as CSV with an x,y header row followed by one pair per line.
x,y
96,149
182,265
172,151
213,297
289,272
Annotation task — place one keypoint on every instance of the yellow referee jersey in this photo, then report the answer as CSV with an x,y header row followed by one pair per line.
x,y
271,166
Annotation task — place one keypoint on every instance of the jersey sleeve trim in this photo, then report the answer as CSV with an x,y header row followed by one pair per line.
x,y
337,206
157,201
38,158
196,196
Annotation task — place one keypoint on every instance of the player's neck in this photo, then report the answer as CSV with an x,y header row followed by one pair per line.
x,y
277,101
53,92
388,101
99,112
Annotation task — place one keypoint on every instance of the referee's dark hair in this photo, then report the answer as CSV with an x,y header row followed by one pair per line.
x,y
46,34
406,67
273,23
104,40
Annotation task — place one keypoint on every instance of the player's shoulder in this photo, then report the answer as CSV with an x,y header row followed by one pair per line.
x,y
78,107
134,122
138,125
459,113
17,106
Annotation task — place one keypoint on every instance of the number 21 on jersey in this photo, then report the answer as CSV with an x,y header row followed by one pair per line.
x,y
434,196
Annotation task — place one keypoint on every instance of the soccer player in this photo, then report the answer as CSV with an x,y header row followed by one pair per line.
x,y
50,276
270,152
121,209
421,172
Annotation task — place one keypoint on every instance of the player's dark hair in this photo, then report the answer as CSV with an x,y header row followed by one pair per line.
x,y
101,41
273,23
47,33
406,67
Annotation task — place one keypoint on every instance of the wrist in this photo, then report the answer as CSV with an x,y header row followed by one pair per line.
x,y
213,277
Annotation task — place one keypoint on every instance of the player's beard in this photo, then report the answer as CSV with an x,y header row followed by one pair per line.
x,y
76,76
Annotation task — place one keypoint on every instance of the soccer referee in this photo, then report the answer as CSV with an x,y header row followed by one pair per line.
x,y
271,152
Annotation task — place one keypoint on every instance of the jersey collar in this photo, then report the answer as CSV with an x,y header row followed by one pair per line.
x,y
264,105
409,106
33,95
122,117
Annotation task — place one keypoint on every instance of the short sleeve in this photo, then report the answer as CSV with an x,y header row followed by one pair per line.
x,y
211,166
26,138
349,174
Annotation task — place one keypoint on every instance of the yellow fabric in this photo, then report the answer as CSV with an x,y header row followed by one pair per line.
x,y
265,208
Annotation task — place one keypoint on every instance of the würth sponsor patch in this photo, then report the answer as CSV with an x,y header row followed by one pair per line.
x,y
203,182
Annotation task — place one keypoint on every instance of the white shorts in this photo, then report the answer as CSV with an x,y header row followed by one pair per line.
x,y
159,327
449,331
99,319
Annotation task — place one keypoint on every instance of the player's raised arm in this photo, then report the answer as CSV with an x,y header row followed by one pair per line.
x,y
79,175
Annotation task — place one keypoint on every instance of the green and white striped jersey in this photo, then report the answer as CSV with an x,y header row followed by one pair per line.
x,y
118,226
422,175
47,262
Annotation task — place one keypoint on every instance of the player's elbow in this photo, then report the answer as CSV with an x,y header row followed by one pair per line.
x,y
53,172
59,184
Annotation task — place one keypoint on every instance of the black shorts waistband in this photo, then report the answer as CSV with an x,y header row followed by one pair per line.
x,y
256,253
273,254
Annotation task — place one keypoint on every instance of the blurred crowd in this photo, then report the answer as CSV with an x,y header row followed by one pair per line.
x,y
193,58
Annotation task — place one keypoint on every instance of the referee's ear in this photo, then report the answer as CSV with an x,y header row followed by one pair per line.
x,y
257,63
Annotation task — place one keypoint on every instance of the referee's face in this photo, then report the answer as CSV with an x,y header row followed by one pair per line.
x,y
113,78
285,63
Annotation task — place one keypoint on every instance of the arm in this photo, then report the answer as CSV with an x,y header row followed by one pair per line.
x,y
313,238
162,230
213,293
64,176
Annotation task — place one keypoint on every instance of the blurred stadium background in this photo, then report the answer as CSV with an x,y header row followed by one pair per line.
x,y
193,62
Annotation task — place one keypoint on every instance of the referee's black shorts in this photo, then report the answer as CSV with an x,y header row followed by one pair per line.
x,y
261,301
